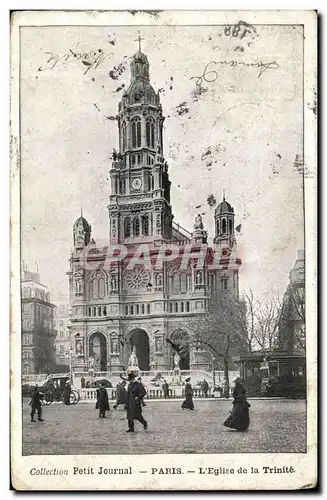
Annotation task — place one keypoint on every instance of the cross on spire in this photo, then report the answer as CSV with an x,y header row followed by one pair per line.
x,y
139,39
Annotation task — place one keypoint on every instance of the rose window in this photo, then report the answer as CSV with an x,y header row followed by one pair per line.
x,y
136,280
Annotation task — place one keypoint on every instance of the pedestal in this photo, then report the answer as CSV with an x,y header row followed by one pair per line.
x,y
177,378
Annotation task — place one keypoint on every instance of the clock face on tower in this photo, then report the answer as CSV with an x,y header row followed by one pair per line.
x,y
137,183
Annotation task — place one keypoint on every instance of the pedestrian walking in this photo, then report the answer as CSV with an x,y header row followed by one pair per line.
x,y
188,402
135,393
66,393
82,383
239,417
102,403
121,395
165,388
205,388
143,389
36,405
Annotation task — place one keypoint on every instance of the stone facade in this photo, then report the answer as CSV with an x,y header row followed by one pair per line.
x,y
117,306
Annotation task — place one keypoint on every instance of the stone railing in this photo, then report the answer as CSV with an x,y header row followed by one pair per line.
x,y
91,394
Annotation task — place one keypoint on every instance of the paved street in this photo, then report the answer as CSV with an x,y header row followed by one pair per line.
x,y
276,426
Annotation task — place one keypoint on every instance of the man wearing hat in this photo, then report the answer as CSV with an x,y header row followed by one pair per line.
x,y
188,402
66,393
36,404
135,393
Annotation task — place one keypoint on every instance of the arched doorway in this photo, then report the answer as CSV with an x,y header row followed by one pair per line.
x,y
98,351
140,340
180,343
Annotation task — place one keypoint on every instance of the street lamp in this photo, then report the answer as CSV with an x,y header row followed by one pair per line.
x,y
69,354
214,371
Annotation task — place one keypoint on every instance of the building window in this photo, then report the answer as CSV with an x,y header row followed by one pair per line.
x,y
230,226
183,282
148,308
94,311
218,227
95,289
136,224
136,132
143,309
171,307
150,133
224,284
182,307
101,288
137,309
126,310
131,309
124,144
145,225
122,186
224,226
89,311
127,227
176,306
104,311
187,307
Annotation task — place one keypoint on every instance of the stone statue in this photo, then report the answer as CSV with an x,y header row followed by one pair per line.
x,y
114,154
177,359
198,224
133,362
91,363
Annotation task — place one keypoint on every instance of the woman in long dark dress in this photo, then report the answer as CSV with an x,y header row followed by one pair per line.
x,y
102,403
188,401
239,417
66,393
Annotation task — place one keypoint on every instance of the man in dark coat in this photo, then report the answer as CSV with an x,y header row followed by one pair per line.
x,y
121,394
205,388
82,383
239,417
188,402
143,390
102,403
135,393
36,405
165,388
66,393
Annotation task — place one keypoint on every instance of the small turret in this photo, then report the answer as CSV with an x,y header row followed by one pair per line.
x,y
81,232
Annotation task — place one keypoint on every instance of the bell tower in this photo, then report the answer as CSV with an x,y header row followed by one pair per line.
x,y
139,204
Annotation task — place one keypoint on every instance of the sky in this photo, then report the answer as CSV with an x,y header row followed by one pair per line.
x,y
240,135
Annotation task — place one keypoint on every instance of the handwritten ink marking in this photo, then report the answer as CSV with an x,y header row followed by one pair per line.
x,y
240,30
91,60
209,75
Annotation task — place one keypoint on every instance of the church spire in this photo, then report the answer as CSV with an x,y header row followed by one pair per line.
x,y
139,39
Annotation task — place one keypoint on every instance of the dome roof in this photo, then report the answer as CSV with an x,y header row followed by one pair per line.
x,y
82,222
224,207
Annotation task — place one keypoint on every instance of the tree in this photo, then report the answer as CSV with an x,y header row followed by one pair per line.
x,y
262,317
221,331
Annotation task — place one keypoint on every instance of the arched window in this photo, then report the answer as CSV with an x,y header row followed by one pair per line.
x,y
224,226
127,227
176,307
145,225
136,132
95,289
230,226
137,309
150,133
183,283
131,310
171,307
101,288
175,283
94,311
148,308
182,307
143,309
218,227
187,306
124,137
99,311
136,226
126,310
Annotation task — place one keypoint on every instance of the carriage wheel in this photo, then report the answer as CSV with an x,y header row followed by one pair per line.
x,y
74,397
47,399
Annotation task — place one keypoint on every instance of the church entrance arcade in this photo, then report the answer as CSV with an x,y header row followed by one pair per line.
x,y
98,351
179,343
138,342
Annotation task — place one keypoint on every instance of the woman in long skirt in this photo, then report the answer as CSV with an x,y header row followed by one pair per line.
x,y
188,401
239,417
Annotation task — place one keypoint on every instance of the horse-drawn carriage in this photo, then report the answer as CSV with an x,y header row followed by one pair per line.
x,y
54,390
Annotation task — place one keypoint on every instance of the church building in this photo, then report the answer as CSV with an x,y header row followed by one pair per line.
x,y
118,309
